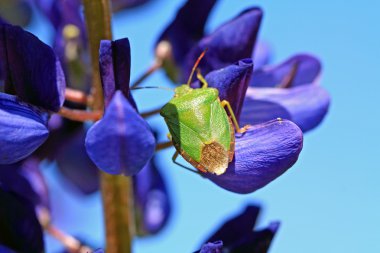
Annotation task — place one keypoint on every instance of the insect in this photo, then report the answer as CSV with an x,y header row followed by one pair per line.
x,y
200,129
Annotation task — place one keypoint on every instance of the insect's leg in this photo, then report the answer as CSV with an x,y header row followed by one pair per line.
x,y
163,145
202,79
174,159
224,104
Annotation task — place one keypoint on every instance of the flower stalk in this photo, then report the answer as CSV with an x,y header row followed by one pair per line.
x,y
116,190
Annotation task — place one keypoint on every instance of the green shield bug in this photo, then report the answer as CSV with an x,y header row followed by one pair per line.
x,y
200,129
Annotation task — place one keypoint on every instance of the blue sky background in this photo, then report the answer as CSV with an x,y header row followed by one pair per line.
x,y
330,200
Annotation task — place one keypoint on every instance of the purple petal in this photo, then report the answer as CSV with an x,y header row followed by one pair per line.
x,y
212,247
75,170
308,70
61,132
22,127
25,179
115,66
62,12
45,7
152,200
237,227
238,236
121,142
185,30
99,251
67,12
19,228
232,83
228,44
305,105
258,241
4,249
70,39
256,111
262,54
262,154
30,69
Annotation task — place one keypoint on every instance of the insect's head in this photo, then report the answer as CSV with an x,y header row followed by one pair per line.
x,y
182,90
185,88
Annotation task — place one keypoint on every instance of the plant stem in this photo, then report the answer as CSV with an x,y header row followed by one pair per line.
x,y
77,96
98,20
71,244
80,115
116,190
118,206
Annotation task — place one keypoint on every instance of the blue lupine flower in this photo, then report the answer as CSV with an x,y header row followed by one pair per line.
x,y
303,101
231,82
25,179
115,68
33,78
20,229
30,69
121,142
212,247
262,154
266,150
182,34
262,54
183,40
229,43
237,235
70,39
81,167
152,200
4,249
22,127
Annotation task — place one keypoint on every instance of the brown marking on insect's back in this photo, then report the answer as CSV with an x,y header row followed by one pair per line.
x,y
194,163
214,158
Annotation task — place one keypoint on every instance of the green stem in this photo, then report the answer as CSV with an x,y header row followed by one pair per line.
x,y
117,204
98,20
116,190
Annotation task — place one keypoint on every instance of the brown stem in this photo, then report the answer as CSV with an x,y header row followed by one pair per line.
x,y
78,96
163,145
70,243
155,66
80,115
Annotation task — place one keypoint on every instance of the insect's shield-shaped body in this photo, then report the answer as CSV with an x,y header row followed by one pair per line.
x,y
200,128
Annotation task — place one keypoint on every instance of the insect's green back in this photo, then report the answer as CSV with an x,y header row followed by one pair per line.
x,y
199,124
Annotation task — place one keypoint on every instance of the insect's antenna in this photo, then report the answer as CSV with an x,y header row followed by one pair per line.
x,y
153,87
196,65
